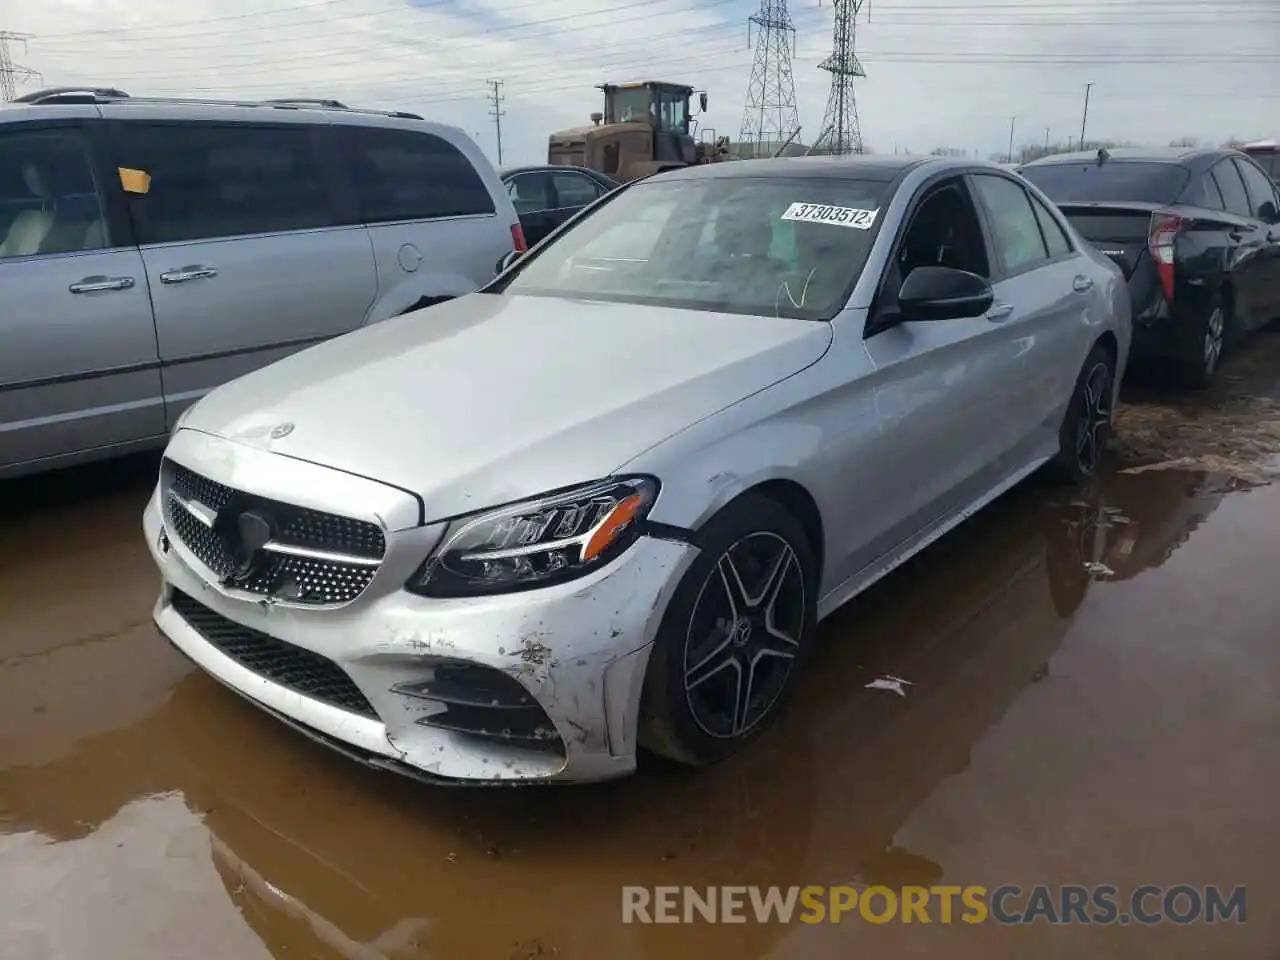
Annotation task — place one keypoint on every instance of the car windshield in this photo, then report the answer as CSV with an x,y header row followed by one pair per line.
x,y
763,246
1114,180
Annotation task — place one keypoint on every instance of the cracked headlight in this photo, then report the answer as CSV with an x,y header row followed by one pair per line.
x,y
538,542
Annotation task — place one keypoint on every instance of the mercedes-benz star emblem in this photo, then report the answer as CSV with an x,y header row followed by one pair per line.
x,y
281,430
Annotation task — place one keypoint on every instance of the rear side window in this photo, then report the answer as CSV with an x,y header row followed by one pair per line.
x,y
411,175
1203,192
49,202
1261,189
1233,193
575,190
1113,180
211,180
1054,237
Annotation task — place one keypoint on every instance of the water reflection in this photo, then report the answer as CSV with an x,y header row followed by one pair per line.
x,y
323,858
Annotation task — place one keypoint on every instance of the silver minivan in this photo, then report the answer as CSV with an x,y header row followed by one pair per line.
x,y
151,250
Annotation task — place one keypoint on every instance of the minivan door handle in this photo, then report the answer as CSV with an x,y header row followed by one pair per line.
x,y
1082,285
98,284
1000,312
188,273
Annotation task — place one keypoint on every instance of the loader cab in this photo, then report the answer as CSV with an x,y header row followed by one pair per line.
x,y
664,108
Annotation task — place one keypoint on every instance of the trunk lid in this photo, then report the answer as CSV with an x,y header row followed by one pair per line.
x,y
1119,230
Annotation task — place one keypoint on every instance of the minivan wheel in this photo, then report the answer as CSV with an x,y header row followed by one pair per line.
x,y
1206,347
734,637
1086,428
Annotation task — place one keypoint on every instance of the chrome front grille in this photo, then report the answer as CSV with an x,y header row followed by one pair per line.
x,y
305,556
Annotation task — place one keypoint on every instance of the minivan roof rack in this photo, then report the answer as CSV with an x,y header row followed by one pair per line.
x,y
108,94
72,95
304,102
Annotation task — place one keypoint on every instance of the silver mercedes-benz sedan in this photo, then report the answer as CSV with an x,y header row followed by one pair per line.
x,y
603,502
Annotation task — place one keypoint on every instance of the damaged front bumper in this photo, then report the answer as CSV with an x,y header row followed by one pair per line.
x,y
542,685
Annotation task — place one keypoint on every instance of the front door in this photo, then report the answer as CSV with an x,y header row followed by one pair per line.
x,y
244,253
78,365
945,391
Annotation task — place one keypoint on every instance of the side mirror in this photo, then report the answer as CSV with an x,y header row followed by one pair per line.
x,y
942,293
1268,213
702,101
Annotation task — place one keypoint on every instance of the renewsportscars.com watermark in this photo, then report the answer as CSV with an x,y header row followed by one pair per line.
x,y
1067,904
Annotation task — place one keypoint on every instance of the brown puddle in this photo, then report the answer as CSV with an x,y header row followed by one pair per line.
x,y
1114,724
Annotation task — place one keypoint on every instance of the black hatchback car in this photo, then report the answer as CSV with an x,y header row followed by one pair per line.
x,y
1197,234
545,197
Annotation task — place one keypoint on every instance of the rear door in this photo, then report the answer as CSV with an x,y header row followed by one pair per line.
x,y
1248,259
434,225
245,254
1264,202
574,191
1045,289
78,365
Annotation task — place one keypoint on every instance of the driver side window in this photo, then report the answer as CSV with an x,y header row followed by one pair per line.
x,y
944,231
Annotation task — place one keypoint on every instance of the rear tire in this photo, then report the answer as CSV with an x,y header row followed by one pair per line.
x,y
1086,428
734,637
1198,368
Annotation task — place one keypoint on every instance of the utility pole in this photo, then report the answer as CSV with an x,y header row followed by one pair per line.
x,y
10,72
1085,118
1046,139
1012,121
496,111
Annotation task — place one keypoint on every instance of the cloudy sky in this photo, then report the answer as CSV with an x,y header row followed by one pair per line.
x,y
940,72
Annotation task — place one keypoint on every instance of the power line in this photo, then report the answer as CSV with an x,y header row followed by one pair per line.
x,y
496,111
770,115
10,72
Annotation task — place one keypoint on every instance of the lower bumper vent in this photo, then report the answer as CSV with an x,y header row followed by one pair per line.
x,y
302,671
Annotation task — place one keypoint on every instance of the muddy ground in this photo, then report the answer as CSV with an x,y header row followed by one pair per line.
x,y
1093,697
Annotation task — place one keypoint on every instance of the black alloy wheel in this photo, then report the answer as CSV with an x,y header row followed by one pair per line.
x,y
734,636
1086,428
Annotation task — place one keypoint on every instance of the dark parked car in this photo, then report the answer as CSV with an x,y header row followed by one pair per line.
x,y
1197,234
546,197
1267,155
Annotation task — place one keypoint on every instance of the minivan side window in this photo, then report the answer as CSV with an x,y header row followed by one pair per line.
x,y
1261,189
1017,233
411,175
1232,187
49,200
223,180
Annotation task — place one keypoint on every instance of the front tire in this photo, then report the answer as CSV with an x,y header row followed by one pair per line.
x,y
734,637
1086,428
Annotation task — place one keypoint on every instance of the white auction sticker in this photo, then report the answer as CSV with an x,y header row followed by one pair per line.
x,y
836,216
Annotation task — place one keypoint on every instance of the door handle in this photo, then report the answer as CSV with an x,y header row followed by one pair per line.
x,y
1000,312
188,273
98,284
1082,284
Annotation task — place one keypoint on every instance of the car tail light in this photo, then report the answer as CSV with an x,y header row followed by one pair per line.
x,y
1165,228
517,238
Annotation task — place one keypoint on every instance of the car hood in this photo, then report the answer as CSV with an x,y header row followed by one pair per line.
x,y
490,398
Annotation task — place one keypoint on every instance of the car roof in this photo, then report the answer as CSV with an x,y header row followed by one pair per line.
x,y
1170,155
550,168
854,167
1273,144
